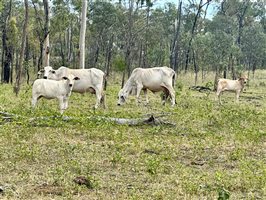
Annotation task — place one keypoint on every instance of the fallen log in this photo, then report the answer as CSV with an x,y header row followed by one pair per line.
x,y
151,120
200,88
139,121
125,121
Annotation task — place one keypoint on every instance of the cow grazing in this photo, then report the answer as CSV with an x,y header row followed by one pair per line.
x,y
91,80
51,89
231,85
154,79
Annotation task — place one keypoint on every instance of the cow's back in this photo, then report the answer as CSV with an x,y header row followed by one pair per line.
x,y
153,78
50,88
89,79
227,84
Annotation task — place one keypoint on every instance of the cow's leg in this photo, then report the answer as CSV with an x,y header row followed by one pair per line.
x,y
171,92
165,96
146,96
139,88
65,103
237,96
34,101
218,95
103,100
98,98
61,104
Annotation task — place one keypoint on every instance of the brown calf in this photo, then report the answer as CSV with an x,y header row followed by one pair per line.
x,y
231,85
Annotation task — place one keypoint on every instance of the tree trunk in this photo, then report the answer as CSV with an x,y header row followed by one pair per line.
x,y
145,56
240,17
217,74
175,45
27,59
109,56
7,63
140,54
69,45
41,37
46,45
254,67
62,47
129,38
96,54
82,35
233,71
108,59
196,68
12,67
23,44
7,50
193,31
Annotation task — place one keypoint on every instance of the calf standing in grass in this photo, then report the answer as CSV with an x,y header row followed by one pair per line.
x,y
51,89
231,85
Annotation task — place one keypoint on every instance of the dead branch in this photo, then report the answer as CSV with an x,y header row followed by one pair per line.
x,y
151,120
200,88
139,121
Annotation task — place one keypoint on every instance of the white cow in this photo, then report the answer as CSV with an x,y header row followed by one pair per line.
x,y
51,89
91,80
154,79
231,85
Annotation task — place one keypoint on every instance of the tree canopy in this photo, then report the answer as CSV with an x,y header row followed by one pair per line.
x,y
125,34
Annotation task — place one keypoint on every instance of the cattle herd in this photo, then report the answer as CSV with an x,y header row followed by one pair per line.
x,y
58,84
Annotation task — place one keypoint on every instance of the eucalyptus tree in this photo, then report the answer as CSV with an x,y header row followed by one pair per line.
x,y
253,46
103,28
161,34
46,46
253,36
175,46
22,50
82,35
7,47
237,17
41,28
64,32
199,9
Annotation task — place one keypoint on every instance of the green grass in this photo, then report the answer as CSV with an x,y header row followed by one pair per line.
x,y
213,151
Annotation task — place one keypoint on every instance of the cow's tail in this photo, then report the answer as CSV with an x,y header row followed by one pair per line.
x,y
174,80
103,99
104,82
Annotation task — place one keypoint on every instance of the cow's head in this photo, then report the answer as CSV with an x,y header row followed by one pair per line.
x,y
49,73
70,79
40,73
121,98
243,79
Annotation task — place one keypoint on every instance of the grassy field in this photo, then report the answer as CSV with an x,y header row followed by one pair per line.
x,y
214,151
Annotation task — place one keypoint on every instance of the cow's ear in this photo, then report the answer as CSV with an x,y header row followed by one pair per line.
x,y
65,78
53,71
76,78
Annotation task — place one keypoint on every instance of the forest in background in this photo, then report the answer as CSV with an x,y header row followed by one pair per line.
x,y
201,150
125,34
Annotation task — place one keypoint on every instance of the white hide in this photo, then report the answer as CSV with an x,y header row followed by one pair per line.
x,y
154,79
90,80
52,89
230,85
